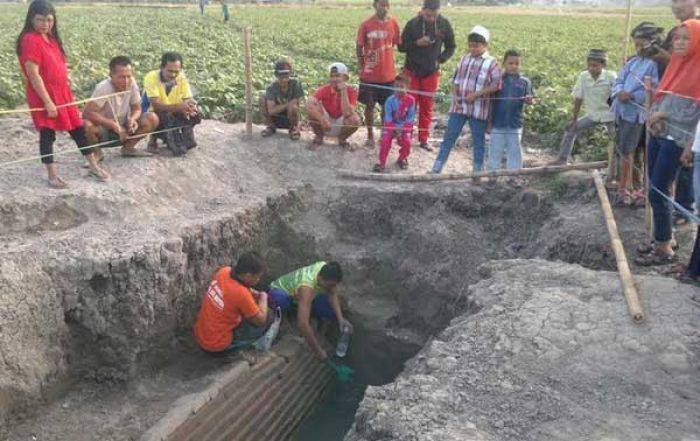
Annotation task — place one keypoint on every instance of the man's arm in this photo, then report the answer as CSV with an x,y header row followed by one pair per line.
x,y
305,296
260,319
159,107
335,304
91,112
449,44
408,38
348,109
274,109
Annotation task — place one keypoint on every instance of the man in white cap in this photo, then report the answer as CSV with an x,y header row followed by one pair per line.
x,y
476,80
332,109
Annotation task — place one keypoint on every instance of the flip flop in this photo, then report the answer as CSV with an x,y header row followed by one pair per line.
x,y
268,131
655,259
294,135
99,177
58,184
347,145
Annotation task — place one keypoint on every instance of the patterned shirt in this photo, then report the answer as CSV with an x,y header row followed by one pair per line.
x,y
595,94
472,75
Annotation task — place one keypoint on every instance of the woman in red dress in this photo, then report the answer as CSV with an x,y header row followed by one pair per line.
x,y
43,63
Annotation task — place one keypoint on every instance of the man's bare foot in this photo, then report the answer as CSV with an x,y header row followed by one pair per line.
x,y
316,143
57,183
347,145
134,153
100,173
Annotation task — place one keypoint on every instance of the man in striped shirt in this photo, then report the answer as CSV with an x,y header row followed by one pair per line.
x,y
476,80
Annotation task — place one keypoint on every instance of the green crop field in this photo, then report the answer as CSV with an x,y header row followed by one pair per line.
x,y
554,43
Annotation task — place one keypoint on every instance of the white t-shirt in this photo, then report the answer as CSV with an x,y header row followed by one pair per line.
x,y
116,107
696,144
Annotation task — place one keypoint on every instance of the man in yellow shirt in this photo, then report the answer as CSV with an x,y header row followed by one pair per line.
x,y
170,96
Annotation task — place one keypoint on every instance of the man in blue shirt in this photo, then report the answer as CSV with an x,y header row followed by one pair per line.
x,y
506,123
629,97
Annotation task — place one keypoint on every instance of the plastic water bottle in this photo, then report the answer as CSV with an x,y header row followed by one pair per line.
x,y
343,342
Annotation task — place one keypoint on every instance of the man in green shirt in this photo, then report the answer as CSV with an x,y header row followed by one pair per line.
x,y
280,104
312,290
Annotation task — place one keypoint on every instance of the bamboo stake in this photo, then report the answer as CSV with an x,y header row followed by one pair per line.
x,y
349,174
647,206
247,37
628,288
628,31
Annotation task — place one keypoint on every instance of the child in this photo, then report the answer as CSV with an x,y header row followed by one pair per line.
x,y
476,79
592,91
43,64
399,113
629,96
507,117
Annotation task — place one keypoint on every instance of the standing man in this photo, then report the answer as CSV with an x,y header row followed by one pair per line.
x,y
423,40
375,54
280,104
312,291
332,109
118,118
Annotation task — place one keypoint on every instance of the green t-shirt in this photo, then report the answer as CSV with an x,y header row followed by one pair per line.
x,y
307,276
294,91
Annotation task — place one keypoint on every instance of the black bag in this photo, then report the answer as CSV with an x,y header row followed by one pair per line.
x,y
181,138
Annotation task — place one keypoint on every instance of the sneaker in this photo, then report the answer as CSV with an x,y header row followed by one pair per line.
x,y
402,163
379,168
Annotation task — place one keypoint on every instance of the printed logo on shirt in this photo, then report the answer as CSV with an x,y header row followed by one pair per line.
x,y
377,34
215,295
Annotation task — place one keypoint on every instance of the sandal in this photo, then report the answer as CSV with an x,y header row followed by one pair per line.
x,y
268,131
346,145
58,183
100,174
650,247
655,259
316,143
402,163
378,168
623,198
294,134
686,277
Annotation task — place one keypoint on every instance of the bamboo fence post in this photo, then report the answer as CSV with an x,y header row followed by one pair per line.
x,y
247,37
349,174
628,31
628,288
647,206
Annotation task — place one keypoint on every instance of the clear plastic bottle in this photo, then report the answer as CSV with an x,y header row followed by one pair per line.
x,y
343,341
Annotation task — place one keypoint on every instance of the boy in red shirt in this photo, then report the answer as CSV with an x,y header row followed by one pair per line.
x,y
376,39
232,306
332,109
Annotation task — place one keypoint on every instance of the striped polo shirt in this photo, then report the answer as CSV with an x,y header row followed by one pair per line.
x,y
472,75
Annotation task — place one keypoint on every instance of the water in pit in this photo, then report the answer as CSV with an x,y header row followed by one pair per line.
x,y
334,415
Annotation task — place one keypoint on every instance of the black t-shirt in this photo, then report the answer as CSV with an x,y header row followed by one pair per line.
x,y
294,91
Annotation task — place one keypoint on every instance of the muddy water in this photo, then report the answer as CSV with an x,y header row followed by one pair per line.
x,y
334,416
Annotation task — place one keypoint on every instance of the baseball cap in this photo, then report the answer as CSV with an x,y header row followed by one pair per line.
x,y
283,67
646,29
338,68
480,30
598,54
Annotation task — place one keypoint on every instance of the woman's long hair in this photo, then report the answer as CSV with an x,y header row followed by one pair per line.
x,y
39,7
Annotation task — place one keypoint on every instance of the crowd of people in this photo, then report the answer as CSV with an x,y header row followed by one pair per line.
x,y
651,103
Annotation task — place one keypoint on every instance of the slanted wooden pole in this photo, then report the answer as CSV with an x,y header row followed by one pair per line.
x,y
628,288
348,174
247,38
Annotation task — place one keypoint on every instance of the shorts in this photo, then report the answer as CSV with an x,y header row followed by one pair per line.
x,y
370,96
628,136
336,127
109,137
281,120
320,307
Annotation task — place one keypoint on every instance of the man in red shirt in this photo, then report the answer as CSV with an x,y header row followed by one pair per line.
x,y
376,39
232,306
332,109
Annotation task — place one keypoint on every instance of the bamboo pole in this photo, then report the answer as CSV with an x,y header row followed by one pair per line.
x,y
628,288
349,174
628,31
247,38
647,206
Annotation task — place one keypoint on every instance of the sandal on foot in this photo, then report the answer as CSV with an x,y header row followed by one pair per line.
x,y
268,131
316,143
58,183
623,198
294,134
101,175
402,163
425,146
346,145
655,259
378,168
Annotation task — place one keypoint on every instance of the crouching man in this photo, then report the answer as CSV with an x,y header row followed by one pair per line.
x,y
118,118
312,291
233,315
280,104
169,94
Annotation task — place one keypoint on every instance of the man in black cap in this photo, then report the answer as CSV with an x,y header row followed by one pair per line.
x,y
280,104
423,40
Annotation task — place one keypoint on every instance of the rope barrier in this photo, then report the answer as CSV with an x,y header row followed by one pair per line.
x,y
60,106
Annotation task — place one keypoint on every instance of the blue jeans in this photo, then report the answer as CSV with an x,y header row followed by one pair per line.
x,y
454,127
321,307
664,159
505,141
694,264
684,188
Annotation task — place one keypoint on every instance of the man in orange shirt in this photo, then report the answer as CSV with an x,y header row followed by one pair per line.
x,y
376,39
232,306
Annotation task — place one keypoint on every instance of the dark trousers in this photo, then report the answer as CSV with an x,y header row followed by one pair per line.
x,y
684,188
663,157
48,136
694,265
